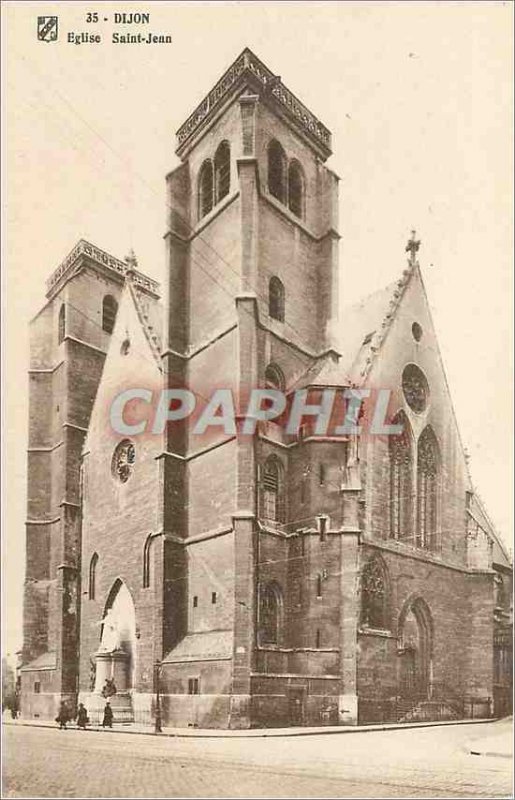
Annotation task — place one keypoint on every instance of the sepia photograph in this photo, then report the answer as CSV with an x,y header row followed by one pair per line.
x,y
257,399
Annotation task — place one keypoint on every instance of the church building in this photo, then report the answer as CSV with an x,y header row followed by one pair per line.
x,y
221,579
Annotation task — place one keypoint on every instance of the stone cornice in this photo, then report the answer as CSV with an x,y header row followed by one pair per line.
x,y
249,70
84,249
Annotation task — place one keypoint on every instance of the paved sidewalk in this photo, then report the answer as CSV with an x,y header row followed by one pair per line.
x,y
252,732
494,742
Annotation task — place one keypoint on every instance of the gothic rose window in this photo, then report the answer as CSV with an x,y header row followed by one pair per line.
x,y
123,461
427,478
415,388
373,595
400,481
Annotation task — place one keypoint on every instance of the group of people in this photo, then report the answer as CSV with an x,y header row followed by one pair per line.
x,y
65,716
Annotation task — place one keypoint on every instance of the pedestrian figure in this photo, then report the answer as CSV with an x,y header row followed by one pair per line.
x,y
63,716
82,717
107,722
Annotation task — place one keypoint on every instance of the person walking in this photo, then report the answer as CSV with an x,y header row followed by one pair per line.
x,y
63,716
107,722
82,717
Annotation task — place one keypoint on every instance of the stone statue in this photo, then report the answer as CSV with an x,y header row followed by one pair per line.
x,y
110,635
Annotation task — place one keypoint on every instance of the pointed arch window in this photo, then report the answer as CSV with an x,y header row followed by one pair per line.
x,y
272,494
205,189
222,171
61,328
401,467
270,614
277,171
93,576
276,299
109,310
373,595
296,189
274,378
427,488
146,562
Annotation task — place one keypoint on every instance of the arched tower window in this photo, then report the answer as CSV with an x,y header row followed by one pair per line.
x,y
61,328
205,189
109,309
93,576
270,614
222,171
374,611
427,488
296,189
272,504
274,378
277,171
276,299
401,465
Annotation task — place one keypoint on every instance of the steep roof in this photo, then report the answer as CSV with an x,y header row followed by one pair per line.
x,y
365,325
150,315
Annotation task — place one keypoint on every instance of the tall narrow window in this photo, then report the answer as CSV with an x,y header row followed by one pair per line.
x,y
270,611
61,330
277,171
146,562
276,299
222,171
109,309
205,189
401,513
427,482
296,189
272,490
318,639
373,595
93,576
319,585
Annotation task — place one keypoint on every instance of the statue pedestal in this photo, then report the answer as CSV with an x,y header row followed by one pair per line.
x,y
111,665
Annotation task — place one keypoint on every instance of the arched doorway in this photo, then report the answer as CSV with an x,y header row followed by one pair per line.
x,y
415,650
117,650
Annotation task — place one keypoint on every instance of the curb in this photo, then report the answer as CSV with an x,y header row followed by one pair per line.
x,y
260,732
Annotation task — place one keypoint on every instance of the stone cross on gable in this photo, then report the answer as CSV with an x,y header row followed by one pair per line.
x,y
412,248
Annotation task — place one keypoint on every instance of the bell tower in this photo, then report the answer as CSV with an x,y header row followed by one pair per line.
x,y
252,293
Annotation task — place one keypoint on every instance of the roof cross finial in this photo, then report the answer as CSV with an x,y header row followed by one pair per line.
x,y
412,248
131,260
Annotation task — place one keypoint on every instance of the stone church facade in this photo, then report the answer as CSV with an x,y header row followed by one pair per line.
x,y
242,580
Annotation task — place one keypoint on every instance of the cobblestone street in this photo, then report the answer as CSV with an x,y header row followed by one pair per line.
x,y
424,762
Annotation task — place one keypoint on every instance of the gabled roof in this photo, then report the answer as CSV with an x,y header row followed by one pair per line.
x,y
150,315
365,325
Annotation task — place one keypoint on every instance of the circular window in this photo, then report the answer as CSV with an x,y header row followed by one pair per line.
x,y
123,461
415,388
417,331
126,346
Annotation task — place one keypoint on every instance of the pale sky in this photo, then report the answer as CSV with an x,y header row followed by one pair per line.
x,y
418,97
